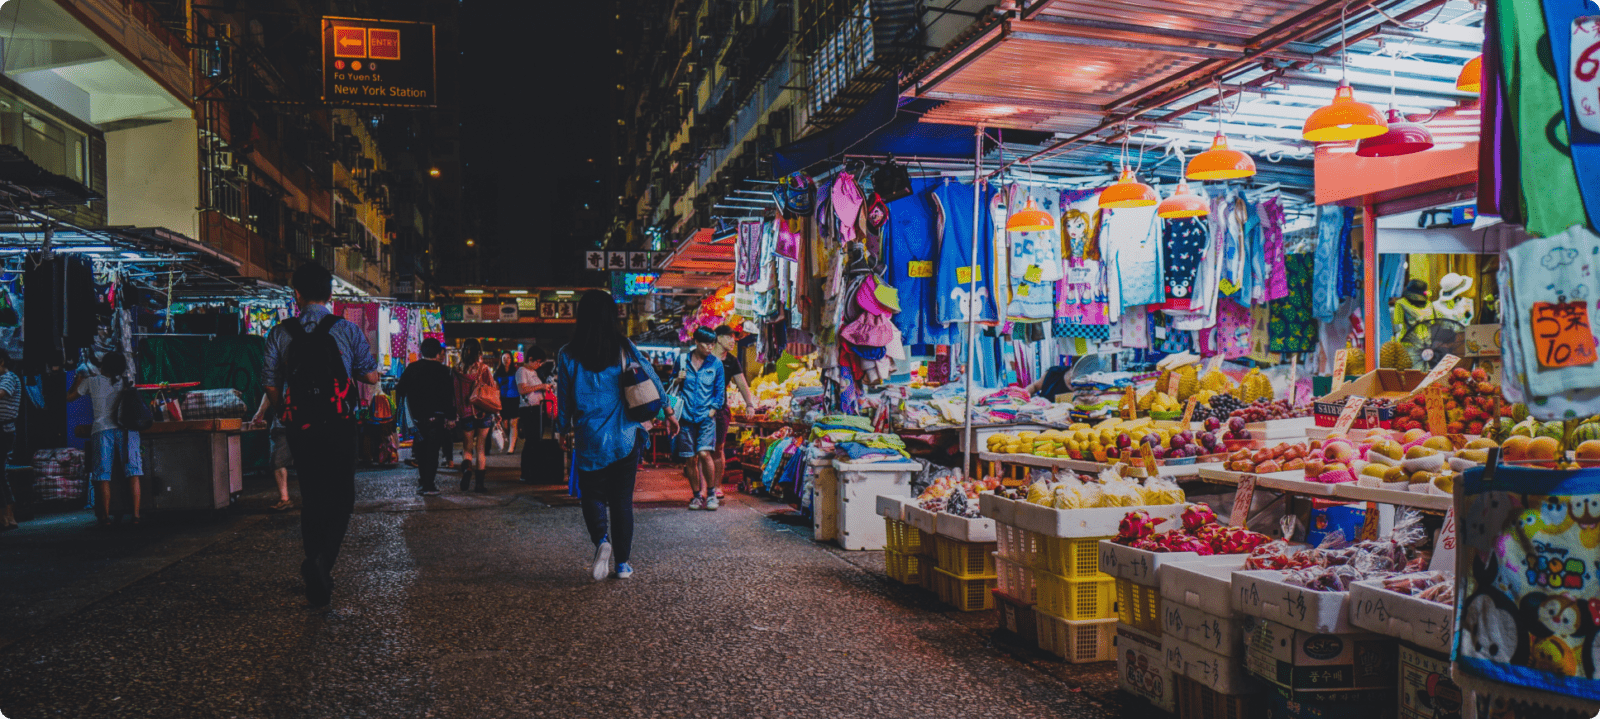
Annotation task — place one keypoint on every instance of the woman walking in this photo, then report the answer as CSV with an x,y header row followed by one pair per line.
x,y
472,376
594,425
505,375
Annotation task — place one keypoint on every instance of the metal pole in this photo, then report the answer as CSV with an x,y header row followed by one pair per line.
x,y
972,298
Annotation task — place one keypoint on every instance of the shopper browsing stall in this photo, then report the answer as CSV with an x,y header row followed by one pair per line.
x,y
704,392
427,388
281,457
505,375
112,449
531,390
733,371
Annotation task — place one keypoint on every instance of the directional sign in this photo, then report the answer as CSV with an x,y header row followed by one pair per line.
x,y
378,62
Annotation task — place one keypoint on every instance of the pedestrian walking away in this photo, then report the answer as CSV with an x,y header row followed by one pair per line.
x,y
312,360
428,390
733,374
281,456
532,389
113,451
704,393
593,424
477,401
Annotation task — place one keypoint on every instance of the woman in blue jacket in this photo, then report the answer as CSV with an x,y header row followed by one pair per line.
x,y
594,426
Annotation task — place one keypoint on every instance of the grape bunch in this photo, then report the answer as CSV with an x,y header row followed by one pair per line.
x,y
1264,409
1221,407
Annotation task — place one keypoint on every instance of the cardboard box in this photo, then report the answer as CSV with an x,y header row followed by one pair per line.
x,y
1223,636
1222,674
1313,666
1280,706
1263,593
1483,340
1142,667
1429,625
1390,384
1426,691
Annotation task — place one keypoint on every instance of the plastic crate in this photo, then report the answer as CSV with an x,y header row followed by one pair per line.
x,y
1075,558
1139,606
1017,579
904,568
1017,544
1017,617
1198,701
1076,599
1078,642
965,593
902,537
967,560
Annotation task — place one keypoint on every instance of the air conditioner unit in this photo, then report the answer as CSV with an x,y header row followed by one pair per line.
x,y
222,158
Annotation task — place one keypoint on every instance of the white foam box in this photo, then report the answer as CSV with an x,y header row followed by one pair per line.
x,y
1206,587
1219,673
1429,625
1142,566
964,529
998,508
892,507
860,485
1426,690
1320,666
1223,636
921,518
982,433
1142,667
1084,523
1263,593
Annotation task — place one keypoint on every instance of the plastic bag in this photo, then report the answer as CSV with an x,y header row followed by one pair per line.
x,y
498,437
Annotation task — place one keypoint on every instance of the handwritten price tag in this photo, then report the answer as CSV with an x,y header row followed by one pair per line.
x,y
1172,383
1188,411
1100,454
1242,497
1561,334
1435,398
1369,526
1347,417
1130,404
1439,370
1444,548
1149,458
1586,71
1294,377
1339,360
919,269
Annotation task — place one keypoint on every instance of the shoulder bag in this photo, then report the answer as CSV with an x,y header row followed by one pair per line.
x,y
639,395
485,395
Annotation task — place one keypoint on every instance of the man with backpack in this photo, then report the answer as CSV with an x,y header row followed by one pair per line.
x,y
312,363
428,392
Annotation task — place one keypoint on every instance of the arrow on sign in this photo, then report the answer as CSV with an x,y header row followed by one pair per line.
x,y
347,42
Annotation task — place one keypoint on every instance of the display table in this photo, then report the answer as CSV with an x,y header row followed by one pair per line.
x,y
191,465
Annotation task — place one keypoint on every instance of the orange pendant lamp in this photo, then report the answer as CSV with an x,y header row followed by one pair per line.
x,y
1471,77
1219,163
1344,118
1030,219
1183,203
1128,192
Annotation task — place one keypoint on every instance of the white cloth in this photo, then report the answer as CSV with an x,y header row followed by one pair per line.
x,y
528,376
102,394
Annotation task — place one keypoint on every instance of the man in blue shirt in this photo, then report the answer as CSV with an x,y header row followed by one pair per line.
x,y
704,392
324,447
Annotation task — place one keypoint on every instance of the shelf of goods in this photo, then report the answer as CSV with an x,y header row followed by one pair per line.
x,y
1294,482
1176,471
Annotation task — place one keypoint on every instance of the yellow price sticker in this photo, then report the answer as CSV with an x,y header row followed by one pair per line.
x,y
964,274
1033,273
919,269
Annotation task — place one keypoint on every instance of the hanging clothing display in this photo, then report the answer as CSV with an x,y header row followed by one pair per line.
x,y
1131,241
1549,181
1273,250
1292,327
1184,243
956,263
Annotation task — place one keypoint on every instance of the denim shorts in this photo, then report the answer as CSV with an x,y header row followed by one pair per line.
x,y
702,436
480,421
107,445
282,458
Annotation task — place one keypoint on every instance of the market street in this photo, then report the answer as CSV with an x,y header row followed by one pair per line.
x,y
481,606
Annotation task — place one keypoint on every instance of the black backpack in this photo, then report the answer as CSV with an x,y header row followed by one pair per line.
x,y
317,390
130,411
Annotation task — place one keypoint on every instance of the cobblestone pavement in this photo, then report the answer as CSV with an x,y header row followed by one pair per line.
x,y
481,606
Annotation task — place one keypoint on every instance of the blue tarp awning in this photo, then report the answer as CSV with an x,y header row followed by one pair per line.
x,y
881,127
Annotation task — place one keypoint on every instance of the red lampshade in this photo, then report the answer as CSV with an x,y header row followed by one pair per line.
x,y
1183,203
1403,138
1128,192
1220,163
1471,77
1030,219
1344,119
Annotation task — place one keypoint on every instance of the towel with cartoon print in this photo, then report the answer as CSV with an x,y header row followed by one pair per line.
x,y
1530,598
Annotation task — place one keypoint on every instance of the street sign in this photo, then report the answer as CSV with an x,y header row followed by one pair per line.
x,y
378,62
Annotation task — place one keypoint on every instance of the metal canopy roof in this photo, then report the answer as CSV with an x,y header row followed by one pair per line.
x,y
1099,72
698,264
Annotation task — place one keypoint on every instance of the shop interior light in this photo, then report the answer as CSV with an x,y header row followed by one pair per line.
x,y
1030,219
1402,138
1344,118
1471,77
473,292
1183,203
1128,192
517,292
87,248
1218,163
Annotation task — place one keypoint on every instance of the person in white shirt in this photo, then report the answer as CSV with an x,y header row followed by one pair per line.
x,y
533,390
109,444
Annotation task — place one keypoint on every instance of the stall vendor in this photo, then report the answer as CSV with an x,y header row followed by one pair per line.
x,y
1053,383
1412,308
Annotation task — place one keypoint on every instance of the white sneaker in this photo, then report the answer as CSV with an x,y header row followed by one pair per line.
x,y
602,561
696,502
712,503
624,570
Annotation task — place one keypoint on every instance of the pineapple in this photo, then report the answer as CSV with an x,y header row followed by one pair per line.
x,y
1392,355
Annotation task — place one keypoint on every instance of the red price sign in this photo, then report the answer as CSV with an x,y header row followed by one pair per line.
x,y
1435,398
1347,416
1340,359
1585,71
1149,458
1242,496
1188,412
1561,334
1172,384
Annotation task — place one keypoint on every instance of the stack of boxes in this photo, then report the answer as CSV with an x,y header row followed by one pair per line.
x,y
1051,590
1203,638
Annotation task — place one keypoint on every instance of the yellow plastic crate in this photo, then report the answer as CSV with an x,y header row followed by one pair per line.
x,y
1078,642
968,594
967,560
904,568
901,537
1074,558
930,544
1075,599
1017,580
1139,606
1018,545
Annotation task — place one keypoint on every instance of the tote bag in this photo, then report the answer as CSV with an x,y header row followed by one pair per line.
x,y
639,394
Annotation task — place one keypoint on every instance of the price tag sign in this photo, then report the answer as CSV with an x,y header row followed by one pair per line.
x,y
1347,417
1188,411
919,269
1241,500
1440,370
1294,377
1561,334
1149,458
1444,548
1369,527
1586,72
1435,398
1130,404
1173,380
1339,359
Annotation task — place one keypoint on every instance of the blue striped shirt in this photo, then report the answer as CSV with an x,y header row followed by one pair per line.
x,y
353,347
